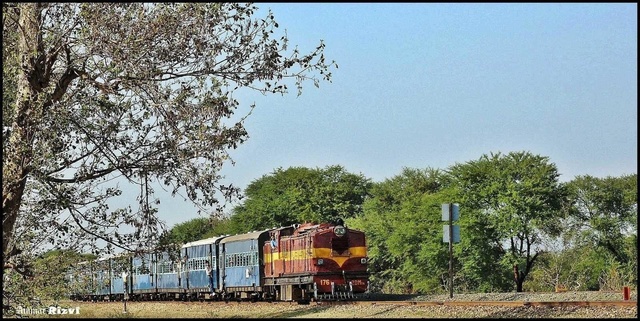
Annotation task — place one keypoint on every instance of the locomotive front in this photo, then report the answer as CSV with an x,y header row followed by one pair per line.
x,y
316,261
340,260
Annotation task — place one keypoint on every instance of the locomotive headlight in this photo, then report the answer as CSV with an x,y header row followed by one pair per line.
x,y
320,261
340,231
363,260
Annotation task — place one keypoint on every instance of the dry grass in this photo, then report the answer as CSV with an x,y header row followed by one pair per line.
x,y
221,310
186,310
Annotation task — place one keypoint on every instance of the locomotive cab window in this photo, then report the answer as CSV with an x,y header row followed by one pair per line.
x,y
340,242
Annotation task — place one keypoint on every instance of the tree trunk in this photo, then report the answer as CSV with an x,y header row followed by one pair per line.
x,y
517,278
17,161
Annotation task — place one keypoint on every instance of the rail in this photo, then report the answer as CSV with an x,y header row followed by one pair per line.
x,y
489,303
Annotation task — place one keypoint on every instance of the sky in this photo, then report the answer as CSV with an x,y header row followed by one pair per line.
x,y
429,85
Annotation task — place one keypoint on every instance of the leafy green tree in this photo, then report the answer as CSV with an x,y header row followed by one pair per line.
x,y
516,200
402,223
220,226
605,216
300,194
563,265
193,230
480,253
49,280
104,96
188,231
606,211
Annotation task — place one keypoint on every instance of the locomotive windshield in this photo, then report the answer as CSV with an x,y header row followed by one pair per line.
x,y
340,243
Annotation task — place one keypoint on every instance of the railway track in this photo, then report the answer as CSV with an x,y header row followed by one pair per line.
x,y
541,299
548,304
490,303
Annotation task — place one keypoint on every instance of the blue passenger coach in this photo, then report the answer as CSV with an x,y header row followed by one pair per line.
x,y
102,277
242,273
194,276
119,263
81,280
142,283
167,276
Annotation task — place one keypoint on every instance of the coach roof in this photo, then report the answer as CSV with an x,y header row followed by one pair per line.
x,y
210,240
247,236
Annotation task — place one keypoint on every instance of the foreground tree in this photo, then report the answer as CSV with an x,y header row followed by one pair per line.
x,y
516,201
136,94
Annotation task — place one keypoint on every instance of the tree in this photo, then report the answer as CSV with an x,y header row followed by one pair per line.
x,y
188,231
300,194
138,95
403,226
480,253
50,278
606,211
605,216
520,200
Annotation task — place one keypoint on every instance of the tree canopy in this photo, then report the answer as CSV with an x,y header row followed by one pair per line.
x,y
102,98
188,231
518,199
508,204
605,211
300,194
401,219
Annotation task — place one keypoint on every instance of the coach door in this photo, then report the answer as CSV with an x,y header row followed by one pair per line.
x,y
222,266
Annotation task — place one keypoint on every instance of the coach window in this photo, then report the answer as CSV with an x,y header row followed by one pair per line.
x,y
166,267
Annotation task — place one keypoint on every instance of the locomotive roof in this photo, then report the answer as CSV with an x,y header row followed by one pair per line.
x,y
210,240
247,236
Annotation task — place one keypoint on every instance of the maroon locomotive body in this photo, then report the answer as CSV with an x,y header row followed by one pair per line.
x,y
316,261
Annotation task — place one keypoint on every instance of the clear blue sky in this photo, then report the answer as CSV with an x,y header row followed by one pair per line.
x,y
430,85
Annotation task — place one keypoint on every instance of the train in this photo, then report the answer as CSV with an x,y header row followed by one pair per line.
x,y
301,262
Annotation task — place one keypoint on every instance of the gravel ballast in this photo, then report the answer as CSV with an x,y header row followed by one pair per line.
x,y
293,310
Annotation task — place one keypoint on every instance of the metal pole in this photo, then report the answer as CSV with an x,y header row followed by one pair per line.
x,y
124,290
450,250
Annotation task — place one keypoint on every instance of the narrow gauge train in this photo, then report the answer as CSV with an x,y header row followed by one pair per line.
x,y
294,263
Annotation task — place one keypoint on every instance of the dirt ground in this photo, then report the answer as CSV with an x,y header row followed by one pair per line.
x,y
221,310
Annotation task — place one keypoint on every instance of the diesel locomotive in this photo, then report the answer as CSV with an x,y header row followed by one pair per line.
x,y
301,262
